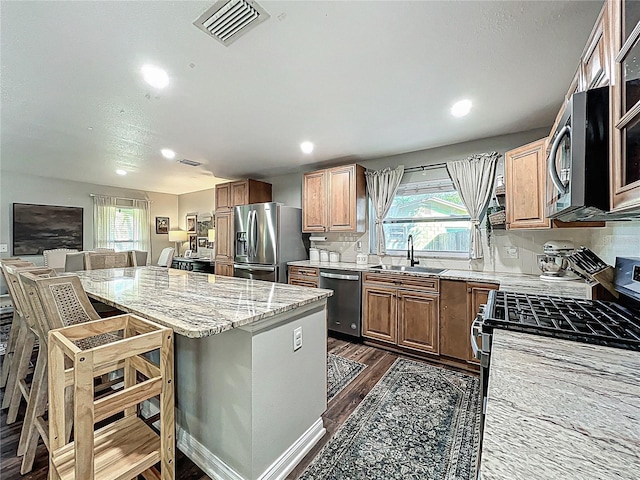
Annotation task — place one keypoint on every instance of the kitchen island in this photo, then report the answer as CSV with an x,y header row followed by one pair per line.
x,y
248,406
559,409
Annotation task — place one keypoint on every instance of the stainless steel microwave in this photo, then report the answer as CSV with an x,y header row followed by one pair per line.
x,y
578,162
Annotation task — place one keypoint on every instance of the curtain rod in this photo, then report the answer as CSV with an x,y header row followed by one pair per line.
x,y
422,168
120,198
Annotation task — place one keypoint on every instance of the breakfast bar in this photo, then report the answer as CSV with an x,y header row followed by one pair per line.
x,y
250,363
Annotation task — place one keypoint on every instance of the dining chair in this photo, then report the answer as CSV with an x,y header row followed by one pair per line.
x,y
55,302
55,258
166,257
74,262
15,322
138,258
100,260
17,387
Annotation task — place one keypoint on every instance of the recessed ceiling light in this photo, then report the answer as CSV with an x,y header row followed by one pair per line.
x,y
155,76
306,147
168,153
461,108
121,172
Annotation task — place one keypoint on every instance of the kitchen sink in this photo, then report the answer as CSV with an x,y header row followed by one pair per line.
x,y
401,268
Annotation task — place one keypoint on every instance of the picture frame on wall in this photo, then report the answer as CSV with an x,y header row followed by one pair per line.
x,y
202,242
192,222
193,243
162,225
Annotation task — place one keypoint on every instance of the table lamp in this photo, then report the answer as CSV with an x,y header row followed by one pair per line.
x,y
178,236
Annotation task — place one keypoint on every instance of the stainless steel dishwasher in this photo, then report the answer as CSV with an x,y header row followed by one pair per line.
x,y
344,308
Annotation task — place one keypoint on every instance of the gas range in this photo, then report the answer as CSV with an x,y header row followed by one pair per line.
x,y
597,322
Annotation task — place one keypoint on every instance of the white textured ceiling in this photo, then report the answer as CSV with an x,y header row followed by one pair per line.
x,y
360,79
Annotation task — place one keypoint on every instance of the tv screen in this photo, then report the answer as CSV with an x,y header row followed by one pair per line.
x,y
45,227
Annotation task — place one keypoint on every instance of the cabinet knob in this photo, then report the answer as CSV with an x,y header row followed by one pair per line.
x,y
468,290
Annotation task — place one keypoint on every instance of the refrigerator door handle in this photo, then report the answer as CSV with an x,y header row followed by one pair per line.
x,y
254,240
250,233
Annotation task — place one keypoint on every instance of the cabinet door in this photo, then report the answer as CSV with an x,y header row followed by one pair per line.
x,y
478,295
594,62
224,269
223,195
240,193
342,186
418,321
526,186
379,314
314,201
303,282
224,236
454,326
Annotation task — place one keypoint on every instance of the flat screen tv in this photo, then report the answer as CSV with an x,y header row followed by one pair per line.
x,y
45,227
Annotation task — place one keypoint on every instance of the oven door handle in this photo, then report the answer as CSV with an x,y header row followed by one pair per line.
x,y
551,163
476,329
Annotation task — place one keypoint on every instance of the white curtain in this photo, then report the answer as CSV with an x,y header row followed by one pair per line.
x,y
104,221
121,224
382,186
473,179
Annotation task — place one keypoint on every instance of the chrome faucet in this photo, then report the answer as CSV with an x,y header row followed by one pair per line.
x,y
410,251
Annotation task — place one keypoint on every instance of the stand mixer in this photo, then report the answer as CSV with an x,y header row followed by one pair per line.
x,y
554,262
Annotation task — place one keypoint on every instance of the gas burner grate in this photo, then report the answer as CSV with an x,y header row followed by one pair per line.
x,y
584,320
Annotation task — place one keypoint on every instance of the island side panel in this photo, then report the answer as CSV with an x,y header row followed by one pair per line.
x,y
213,401
289,388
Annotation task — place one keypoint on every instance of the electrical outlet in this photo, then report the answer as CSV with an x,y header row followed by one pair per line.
x,y
297,339
511,251
359,246
3,248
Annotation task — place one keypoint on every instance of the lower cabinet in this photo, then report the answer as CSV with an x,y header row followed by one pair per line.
x,y
459,305
224,269
303,276
402,317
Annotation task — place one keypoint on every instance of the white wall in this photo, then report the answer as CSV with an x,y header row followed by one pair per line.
x,y
19,188
616,239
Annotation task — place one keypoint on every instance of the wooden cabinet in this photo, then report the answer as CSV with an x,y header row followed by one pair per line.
x,y
334,200
401,310
525,179
459,305
624,106
303,276
478,295
224,235
242,192
314,201
224,269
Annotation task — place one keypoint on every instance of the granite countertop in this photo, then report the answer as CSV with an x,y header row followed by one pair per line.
x,y
194,304
514,282
558,409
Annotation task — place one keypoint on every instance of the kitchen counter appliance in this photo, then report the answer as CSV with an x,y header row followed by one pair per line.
x,y
266,237
344,308
554,261
612,324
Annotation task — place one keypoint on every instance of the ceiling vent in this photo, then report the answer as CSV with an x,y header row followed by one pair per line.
x,y
191,163
228,20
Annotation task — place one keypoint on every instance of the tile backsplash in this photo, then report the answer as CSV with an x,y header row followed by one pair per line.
x,y
510,251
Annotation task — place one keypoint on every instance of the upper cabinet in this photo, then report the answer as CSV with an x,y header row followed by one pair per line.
x,y
525,177
242,192
333,200
625,104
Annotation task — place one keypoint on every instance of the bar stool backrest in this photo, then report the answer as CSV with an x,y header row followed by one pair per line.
x,y
4,266
99,260
21,302
60,302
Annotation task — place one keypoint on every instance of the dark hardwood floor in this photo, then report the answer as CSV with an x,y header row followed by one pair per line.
x,y
378,362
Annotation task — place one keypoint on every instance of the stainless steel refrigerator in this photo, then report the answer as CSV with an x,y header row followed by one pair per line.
x,y
266,237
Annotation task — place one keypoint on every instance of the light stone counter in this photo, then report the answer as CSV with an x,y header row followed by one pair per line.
x,y
514,282
558,409
194,304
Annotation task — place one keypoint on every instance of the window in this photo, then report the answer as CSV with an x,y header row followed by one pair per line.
x,y
433,213
121,224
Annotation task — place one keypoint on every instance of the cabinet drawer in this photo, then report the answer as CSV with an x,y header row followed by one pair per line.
x,y
303,282
303,271
402,281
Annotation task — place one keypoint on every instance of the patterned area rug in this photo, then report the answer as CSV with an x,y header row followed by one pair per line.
x,y
418,422
340,372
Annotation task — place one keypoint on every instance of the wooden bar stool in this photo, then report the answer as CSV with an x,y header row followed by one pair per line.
x,y
28,332
15,323
126,446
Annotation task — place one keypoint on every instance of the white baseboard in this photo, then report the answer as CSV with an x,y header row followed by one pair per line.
x,y
218,470
292,456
